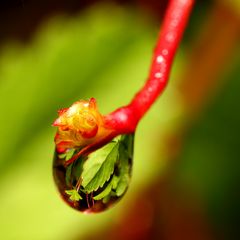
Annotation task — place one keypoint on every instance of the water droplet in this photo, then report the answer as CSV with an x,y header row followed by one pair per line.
x,y
165,52
160,59
95,182
158,75
170,37
150,89
174,23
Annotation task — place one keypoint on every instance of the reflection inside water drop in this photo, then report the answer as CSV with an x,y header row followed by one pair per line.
x,y
95,182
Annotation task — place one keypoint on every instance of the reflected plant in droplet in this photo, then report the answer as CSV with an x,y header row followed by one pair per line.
x,y
94,182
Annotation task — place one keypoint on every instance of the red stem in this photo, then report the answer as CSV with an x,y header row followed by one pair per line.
x,y
125,119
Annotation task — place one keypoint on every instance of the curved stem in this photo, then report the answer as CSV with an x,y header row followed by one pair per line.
x,y
125,119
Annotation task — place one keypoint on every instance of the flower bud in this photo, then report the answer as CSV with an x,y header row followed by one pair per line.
x,y
80,125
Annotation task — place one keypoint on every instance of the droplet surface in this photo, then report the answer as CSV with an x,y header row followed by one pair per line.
x,y
95,182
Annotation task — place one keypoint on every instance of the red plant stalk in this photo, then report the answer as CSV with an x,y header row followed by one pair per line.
x,y
125,119
82,126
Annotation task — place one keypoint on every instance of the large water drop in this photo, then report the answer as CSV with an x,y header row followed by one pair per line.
x,y
97,181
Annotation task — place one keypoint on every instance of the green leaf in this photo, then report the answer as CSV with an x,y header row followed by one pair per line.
x,y
62,156
122,185
78,168
74,195
99,166
67,155
107,198
68,176
74,171
125,153
113,183
127,141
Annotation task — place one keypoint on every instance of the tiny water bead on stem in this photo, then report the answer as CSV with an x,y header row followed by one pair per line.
x,y
93,156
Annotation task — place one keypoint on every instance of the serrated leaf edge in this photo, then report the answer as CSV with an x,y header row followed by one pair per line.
x,y
95,189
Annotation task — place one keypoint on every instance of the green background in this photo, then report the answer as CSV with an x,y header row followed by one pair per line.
x,y
105,52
